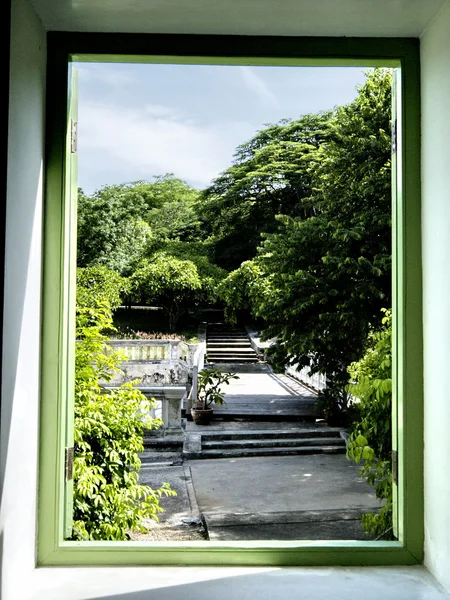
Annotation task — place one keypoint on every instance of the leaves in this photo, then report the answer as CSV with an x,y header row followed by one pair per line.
x,y
322,273
370,440
270,176
108,501
209,386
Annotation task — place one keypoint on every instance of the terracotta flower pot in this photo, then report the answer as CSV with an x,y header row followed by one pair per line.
x,y
202,416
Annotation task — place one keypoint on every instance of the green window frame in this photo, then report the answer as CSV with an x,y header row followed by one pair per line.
x,y
58,292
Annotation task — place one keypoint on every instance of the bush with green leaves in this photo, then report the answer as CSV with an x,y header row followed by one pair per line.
x,y
97,283
169,282
237,290
209,389
370,440
108,500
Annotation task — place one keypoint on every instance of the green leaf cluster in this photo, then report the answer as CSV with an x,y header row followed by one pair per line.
x,y
108,500
323,270
270,176
209,386
370,441
97,283
168,282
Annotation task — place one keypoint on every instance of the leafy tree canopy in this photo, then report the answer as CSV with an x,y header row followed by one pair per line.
x,y
118,222
109,502
327,274
370,440
98,284
270,176
169,282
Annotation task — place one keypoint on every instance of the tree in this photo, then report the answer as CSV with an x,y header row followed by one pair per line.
x,y
174,216
169,282
270,176
118,223
370,440
111,230
108,501
327,275
97,283
240,289
198,252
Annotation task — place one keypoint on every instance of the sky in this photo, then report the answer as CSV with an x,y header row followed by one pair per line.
x,y
139,121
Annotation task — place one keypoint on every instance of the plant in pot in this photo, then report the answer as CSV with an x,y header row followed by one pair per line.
x,y
209,393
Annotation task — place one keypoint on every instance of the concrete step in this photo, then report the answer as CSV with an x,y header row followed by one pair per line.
x,y
230,360
240,367
230,340
245,352
227,330
232,355
149,457
280,451
304,415
260,434
162,443
223,336
272,443
230,343
230,348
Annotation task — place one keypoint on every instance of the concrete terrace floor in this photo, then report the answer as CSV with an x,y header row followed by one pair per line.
x,y
266,394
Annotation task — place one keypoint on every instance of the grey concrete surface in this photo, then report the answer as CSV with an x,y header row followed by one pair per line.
x,y
235,583
283,483
178,507
282,498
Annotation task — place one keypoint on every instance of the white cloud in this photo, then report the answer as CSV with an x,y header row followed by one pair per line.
x,y
153,141
258,86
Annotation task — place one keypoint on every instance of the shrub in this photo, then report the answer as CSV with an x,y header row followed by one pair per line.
x,y
97,283
108,501
371,438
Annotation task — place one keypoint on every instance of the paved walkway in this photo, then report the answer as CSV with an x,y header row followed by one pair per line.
x,y
282,498
309,497
267,394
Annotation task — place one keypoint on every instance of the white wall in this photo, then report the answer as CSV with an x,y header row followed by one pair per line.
x,y
20,384
435,58
19,426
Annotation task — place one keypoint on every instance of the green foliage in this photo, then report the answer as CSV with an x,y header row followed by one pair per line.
x,y
108,501
270,176
173,284
175,215
239,289
327,274
370,441
117,223
111,229
97,283
209,384
199,253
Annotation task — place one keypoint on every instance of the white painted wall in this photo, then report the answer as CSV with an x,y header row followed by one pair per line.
x,y
19,426
20,384
435,59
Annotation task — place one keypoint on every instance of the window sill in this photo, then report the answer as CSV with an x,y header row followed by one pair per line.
x,y
222,583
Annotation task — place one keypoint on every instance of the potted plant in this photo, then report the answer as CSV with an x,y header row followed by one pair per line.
x,y
209,393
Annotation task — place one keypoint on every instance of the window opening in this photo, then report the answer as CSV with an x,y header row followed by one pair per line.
x,y
215,203
59,287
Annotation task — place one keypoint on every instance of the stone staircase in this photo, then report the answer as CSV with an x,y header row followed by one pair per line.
x,y
228,345
161,449
242,443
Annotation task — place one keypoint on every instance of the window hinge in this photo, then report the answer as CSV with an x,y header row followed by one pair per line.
x,y
395,466
69,456
73,137
394,136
